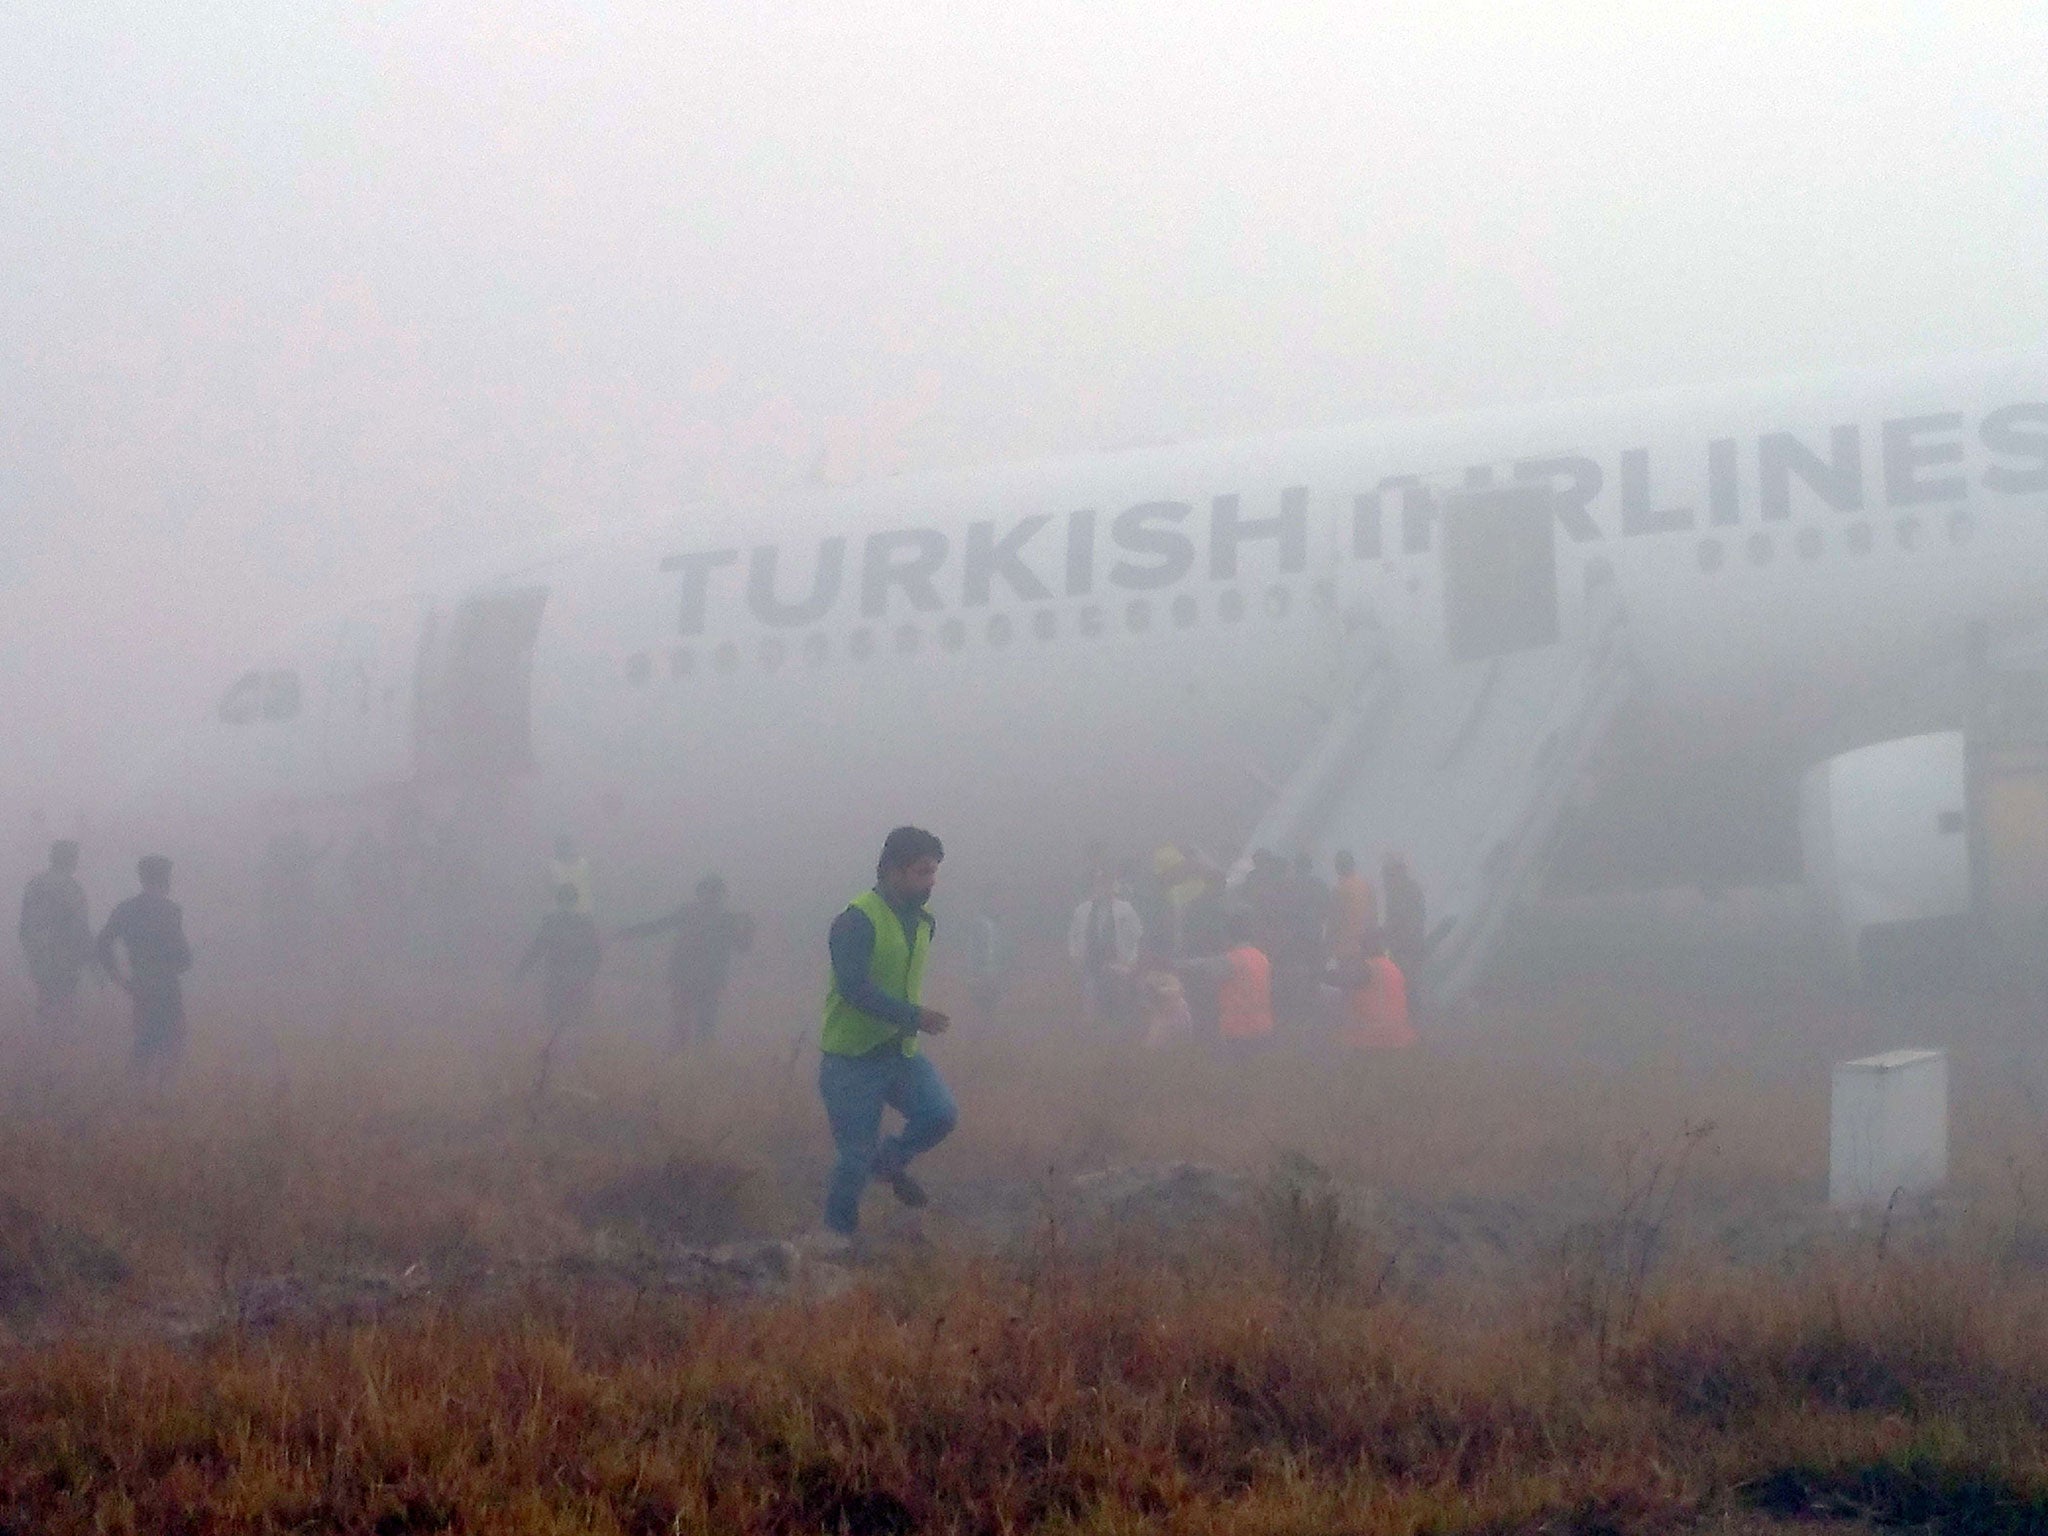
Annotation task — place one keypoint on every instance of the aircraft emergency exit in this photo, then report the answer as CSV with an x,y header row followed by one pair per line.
x,y
1451,635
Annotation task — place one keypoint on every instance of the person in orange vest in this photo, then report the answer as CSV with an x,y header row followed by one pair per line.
x,y
1243,980
1375,1016
1407,932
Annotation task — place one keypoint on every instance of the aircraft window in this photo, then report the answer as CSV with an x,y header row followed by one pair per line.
x,y
1759,549
727,657
860,645
1230,607
1138,615
1960,527
814,650
999,627
1710,554
906,639
639,668
280,695
1909,532
1089,620
1859,539
244,701
1186,611
1810,543
774,651
1045,623
1278,601
682,661
952,634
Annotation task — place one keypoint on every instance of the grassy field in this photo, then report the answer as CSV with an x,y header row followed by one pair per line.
x,y
1565,1269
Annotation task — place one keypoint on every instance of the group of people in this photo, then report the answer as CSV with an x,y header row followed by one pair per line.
x,y
1168,950
1173,949
1175,944
141,949
568,949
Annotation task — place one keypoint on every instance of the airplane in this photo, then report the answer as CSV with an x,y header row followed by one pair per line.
x,y
1595,641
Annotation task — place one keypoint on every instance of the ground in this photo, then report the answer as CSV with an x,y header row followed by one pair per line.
x,y
1567,1268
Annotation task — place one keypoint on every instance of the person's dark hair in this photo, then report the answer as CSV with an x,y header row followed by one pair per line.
x,y
154,870
711,888
905,846
1344,864
64,854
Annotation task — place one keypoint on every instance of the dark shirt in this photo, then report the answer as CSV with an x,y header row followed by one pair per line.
x,y
152,929
566,948
852,942
56,927
707,937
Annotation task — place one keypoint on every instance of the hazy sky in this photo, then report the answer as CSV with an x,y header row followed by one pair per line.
x,y
301,296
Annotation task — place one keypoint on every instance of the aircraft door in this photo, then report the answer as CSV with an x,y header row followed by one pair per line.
x,y
367,718
476,708
1499,572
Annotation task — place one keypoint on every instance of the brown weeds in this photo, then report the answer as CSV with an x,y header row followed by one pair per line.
x,y
1379,1338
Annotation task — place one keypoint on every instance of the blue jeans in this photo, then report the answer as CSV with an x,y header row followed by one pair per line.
x,y
854,1089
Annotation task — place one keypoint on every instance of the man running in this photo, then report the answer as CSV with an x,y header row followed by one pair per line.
x,y
56,935
873,1018
151,928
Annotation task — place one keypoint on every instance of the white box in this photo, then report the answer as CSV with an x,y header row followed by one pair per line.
x,y
1888,1132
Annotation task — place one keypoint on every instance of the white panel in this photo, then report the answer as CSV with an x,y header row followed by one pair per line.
x,y
1888,1132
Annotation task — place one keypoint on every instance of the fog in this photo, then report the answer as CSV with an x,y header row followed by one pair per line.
x,y
302,299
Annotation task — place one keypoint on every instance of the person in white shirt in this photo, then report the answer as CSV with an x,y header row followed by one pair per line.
x,y
1103,941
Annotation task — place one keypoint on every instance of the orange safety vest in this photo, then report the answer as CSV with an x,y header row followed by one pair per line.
x,y
1379,1011
1244,998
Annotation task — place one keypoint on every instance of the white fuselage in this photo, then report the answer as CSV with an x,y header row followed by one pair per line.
x,y
1133,648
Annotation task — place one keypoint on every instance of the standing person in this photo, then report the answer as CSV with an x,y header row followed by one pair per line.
x,y
1407,922
1354,912
56,935
151,928
1242,980
1295,944
991,955
1103,941
568,952
708,934
1375,1016
873,1017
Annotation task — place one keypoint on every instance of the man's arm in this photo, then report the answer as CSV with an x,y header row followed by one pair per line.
x,y
852,942
649,929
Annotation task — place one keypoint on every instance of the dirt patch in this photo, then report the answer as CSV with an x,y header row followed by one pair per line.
x,y
1942,1499
688,1200
42,1260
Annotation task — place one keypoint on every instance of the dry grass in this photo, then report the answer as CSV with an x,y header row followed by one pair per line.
x,y
1489,1288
